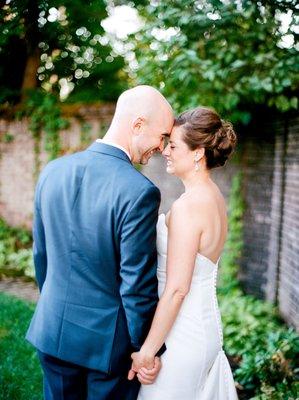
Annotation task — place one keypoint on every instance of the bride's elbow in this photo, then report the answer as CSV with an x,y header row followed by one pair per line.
x,y
178,294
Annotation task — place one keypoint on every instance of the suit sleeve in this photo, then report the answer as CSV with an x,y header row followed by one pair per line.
x,y
39,244
138,265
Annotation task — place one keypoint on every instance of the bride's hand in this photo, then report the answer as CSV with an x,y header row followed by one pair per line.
x,y
143,359
145,376
148,376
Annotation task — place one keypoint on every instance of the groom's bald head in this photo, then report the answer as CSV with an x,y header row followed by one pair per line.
x,y
141,101
142,119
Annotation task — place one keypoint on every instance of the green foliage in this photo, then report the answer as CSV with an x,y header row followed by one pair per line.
x,y
56,43
225,54
273,367
20,373
85,135
234,243
15,251
8,138
45,116
253,331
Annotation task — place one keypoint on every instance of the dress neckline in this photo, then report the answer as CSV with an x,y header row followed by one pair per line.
x,y
198,254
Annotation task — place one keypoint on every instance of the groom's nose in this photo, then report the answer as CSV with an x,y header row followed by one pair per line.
x,y
161,147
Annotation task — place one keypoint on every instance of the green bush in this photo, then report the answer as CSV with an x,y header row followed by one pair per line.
x,y
263,347
224,54
15,251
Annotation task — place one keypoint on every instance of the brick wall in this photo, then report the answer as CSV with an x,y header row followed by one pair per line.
x,y
288,286
276,212
16,177
17,159
269,160
257,166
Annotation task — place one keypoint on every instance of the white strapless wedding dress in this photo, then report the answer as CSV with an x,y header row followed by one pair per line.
x,y
194,366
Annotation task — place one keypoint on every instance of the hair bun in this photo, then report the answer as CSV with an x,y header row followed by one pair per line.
x,y
221,149
204,128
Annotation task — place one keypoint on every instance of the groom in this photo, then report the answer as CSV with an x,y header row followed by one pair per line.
x,y
95,255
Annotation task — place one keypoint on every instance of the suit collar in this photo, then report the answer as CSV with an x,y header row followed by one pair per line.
x,y
115,145
108,149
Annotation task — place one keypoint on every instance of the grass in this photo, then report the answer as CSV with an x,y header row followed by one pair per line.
x,y
20,373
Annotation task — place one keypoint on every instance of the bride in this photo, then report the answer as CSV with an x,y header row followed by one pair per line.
x,y
190,239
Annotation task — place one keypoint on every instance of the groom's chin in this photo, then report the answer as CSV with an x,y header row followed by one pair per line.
x,y
144,160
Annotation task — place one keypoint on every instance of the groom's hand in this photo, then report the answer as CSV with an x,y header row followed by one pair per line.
x,y
146,376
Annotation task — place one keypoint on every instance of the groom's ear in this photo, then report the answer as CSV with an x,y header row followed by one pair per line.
x,y
138,125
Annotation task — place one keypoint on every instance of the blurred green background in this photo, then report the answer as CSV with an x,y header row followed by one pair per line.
x,y
240,57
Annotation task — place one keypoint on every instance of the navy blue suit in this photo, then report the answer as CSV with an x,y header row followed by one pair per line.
x,y
95,258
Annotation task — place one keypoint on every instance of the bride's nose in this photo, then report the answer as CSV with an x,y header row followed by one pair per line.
x,y
165,152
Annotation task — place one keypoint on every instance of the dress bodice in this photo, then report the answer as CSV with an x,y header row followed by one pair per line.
x,y
201,299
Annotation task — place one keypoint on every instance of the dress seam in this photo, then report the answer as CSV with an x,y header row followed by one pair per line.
x,y
221,352
198,386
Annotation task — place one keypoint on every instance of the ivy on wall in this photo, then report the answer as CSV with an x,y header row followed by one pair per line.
x,y
46,119
85,133
45,116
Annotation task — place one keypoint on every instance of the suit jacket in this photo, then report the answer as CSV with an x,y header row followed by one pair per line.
x,y
95,257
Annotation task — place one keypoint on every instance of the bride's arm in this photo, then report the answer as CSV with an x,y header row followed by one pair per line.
x,y
183,239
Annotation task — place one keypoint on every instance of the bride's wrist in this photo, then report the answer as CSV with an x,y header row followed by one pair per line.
x,y
147,352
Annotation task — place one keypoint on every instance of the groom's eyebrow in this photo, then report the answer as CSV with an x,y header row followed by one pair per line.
x,y
166,134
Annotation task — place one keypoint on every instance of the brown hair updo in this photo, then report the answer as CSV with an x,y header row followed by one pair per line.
x,y
204,128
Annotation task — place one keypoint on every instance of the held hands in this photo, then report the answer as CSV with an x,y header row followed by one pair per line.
x,y
145,367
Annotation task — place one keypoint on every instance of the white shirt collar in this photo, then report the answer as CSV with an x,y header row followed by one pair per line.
x,y
115,145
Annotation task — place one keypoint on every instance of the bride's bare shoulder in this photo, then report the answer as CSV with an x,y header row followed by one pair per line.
x,y
186,205
197,204
194,199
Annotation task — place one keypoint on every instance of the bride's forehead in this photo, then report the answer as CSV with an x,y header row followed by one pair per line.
x,y
176,133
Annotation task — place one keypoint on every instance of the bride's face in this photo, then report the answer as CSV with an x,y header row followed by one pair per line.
x,y
180,159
